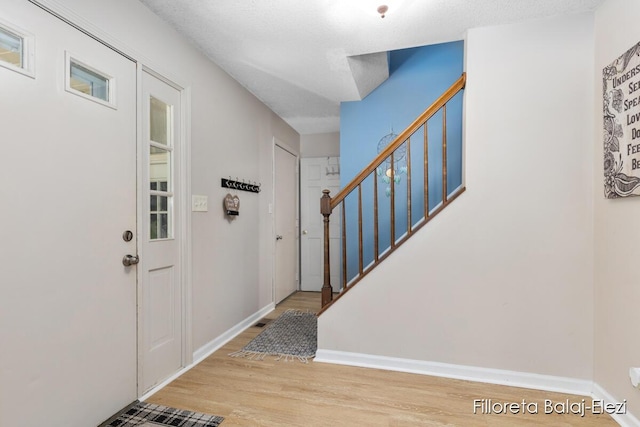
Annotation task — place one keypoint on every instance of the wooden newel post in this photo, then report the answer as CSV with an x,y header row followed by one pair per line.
x,y
325,210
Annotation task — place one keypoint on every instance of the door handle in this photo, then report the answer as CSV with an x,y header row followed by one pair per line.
x,y
278,237
129,260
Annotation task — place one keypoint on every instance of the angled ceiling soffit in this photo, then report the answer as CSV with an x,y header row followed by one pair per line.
x,y
369,71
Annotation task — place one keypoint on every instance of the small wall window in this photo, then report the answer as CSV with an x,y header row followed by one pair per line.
x,y
16,49
86,81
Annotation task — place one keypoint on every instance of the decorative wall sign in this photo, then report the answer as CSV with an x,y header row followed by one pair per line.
x,y
232,205
621,95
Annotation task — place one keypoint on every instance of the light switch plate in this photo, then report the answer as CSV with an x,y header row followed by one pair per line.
x,y
199,203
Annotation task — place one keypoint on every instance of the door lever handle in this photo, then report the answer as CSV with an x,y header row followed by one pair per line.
x,y
129,260
278,237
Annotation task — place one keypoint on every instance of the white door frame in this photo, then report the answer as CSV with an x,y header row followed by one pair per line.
x,y
143,63
184,225
286,147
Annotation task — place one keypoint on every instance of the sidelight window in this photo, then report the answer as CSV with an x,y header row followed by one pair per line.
x,y
160,168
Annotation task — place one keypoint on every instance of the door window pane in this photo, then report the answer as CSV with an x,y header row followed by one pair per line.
x,y
88,81
159,167
154,226
159,214
11,48
17,50
159,119
163,202
164,227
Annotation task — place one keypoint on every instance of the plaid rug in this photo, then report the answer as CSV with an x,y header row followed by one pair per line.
x,y
147,414
293,335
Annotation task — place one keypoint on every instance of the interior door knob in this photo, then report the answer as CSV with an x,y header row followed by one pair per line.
x,y
129,260
278,237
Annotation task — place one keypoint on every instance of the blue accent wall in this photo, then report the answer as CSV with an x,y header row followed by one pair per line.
x,y
417,77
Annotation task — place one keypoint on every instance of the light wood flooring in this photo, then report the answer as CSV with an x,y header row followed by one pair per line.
x,y
277,393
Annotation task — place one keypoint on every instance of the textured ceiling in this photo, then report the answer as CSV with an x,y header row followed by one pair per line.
x,y
297,55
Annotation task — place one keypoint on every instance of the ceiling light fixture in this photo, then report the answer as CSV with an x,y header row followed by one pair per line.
x,y
382,9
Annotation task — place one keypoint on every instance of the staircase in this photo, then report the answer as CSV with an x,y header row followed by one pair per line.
x,y
385,168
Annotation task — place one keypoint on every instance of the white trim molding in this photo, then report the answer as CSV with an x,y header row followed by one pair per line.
x,y
460,372
485,375
187,259
625,420
208,349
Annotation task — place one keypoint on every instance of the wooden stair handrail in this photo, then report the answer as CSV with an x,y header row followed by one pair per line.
x,y
328,203
400,139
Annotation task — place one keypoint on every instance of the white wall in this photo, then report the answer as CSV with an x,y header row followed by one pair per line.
x,y
231,135
501,279
320,145
617,278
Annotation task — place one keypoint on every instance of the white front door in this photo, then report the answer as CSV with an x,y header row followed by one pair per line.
x,y
68,304
317,174
285,211
161,317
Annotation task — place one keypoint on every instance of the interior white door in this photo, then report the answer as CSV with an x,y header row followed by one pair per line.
x,y
285,211
317,174
161,333
68,304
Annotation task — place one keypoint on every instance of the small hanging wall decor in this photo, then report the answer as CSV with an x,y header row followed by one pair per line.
x,y
232,205
621,96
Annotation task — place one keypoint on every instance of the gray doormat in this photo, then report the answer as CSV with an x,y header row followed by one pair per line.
x,y
143,414
293,335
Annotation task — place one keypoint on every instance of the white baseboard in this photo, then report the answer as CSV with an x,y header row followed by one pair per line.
x,y
625,420
206,350
485,375
164,383
461,372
